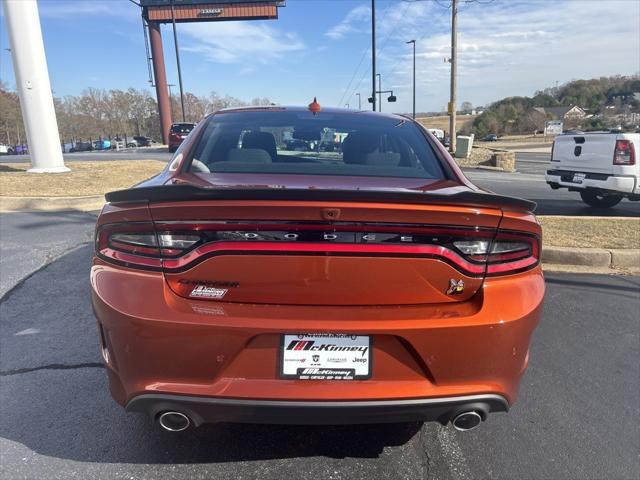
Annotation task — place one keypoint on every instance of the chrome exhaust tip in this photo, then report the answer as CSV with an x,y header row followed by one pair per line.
x,y
466,421
174,421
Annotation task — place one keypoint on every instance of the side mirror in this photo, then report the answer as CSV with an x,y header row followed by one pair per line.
x,y
392,98
370,99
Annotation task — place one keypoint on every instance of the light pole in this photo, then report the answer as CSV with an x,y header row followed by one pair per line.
x,y
171,98
379,90
373,54
414,77
359,101
175,43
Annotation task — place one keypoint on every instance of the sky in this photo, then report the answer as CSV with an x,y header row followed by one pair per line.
x,y
321,48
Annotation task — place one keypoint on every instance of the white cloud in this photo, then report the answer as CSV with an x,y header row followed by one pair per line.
x,y
356,20
511,48
239,42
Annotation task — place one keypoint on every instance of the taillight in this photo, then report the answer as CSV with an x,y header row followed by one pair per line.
x,y
624,153
138,245
177,246
507,253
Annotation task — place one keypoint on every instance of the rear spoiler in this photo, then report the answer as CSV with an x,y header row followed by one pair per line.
x,y
181,193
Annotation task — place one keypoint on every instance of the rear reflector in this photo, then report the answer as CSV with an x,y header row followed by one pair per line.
x,y
624,153
179,246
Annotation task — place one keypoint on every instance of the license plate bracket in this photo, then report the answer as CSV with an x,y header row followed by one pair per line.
x,y
325,356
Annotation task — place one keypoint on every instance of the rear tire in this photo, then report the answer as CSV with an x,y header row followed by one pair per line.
x,y
597,199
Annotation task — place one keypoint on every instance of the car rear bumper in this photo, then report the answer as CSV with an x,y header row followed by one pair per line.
x,y
599,181
212,410
206,352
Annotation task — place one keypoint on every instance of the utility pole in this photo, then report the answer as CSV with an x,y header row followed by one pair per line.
x,y
454,59
175,43
379,91
359,101
414,77
373,54
34,86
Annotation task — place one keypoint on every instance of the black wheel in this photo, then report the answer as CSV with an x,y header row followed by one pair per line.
x,y
598,199
172,149
132,145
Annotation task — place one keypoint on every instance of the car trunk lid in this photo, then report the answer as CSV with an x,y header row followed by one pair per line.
x,y
296,252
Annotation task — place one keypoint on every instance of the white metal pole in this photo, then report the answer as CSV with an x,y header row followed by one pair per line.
x,y
34,87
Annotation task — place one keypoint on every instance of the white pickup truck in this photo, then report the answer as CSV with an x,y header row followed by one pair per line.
x,y
603,167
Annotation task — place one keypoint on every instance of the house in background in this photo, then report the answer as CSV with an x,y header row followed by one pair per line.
x,y
562,117
563,114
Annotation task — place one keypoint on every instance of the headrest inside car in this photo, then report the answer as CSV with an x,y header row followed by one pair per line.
x,y
248,155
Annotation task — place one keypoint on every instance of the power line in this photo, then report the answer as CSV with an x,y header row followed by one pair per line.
x,y
364,54
384,44
368,50
395,64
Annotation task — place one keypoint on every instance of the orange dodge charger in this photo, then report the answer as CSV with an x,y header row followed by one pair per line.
x,y
314,266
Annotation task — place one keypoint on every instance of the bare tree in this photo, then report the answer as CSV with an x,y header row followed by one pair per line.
x,y
100,113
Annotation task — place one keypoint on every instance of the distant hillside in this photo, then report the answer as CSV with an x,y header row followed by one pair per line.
x,y
607,101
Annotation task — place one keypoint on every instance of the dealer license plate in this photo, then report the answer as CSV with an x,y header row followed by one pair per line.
x,y
325,356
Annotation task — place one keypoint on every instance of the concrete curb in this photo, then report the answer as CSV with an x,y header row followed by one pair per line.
x,y
592,257
483,167
48,204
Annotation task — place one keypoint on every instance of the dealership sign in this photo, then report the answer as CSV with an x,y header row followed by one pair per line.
x,y
210,12
553,127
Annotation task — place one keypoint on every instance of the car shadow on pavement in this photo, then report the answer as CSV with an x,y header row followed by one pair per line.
x,y
69,414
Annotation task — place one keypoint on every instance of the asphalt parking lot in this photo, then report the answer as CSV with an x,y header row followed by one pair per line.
x,y
578,415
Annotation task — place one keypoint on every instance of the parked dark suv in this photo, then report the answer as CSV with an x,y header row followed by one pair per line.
x,y
82,147
178,133
143,141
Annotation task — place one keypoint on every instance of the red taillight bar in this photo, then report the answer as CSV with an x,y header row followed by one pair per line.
x,y
230,248
156,257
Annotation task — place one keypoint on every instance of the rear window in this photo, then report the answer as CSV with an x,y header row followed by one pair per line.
x,y
182,127
289,142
